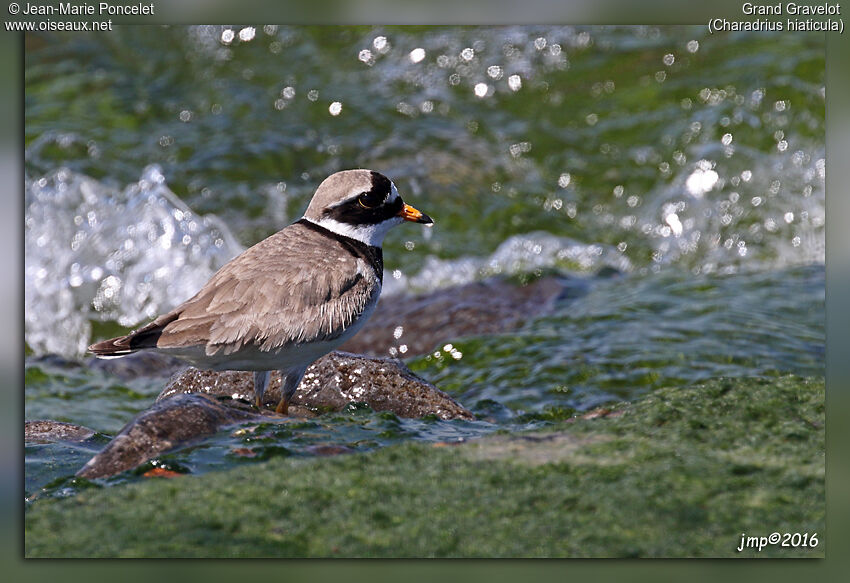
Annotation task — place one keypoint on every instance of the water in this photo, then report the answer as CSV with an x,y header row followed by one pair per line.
x,y
691,164
157,237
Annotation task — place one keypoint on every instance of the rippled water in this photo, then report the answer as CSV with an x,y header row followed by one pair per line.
x,y
693,165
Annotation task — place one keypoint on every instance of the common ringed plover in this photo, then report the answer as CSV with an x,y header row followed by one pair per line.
x,y
292,297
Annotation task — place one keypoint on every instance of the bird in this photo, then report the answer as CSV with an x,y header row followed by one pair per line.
x,y
291,298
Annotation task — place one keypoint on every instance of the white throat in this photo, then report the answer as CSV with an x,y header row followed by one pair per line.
x,y
372,235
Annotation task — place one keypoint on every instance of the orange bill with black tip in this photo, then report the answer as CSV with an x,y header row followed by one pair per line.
x,y
408,213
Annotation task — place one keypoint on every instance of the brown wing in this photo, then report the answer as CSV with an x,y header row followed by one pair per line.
x,y
266,297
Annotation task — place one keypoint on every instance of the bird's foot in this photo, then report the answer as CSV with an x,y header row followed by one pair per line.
x,y
283,407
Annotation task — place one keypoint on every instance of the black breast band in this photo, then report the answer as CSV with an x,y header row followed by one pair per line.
x,y
369,253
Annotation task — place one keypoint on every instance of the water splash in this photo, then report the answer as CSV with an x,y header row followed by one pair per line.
x,y
520,254
97,253
760,210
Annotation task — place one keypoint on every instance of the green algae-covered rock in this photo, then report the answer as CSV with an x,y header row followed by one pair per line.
x,y
684,472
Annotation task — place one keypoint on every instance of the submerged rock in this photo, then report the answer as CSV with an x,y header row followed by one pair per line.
x,y
493,306
198,403
139,364
47,431
167,424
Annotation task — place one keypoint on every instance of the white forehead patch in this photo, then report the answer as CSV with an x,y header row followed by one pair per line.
x,y
393,192
352,194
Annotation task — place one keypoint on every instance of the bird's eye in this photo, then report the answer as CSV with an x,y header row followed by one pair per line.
x,y
367,202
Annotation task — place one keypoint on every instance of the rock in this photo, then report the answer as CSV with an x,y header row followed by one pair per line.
x,y
330,384
492,306
167,424
198,403
47,431
235,384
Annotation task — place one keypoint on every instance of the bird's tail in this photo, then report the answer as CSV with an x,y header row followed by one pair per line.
x,y
113,348
140,339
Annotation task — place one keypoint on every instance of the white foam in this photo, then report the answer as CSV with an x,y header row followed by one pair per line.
x,y
516,255
93,252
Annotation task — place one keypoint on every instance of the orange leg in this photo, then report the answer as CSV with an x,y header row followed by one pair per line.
x,y
283,406
288,384
261,381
